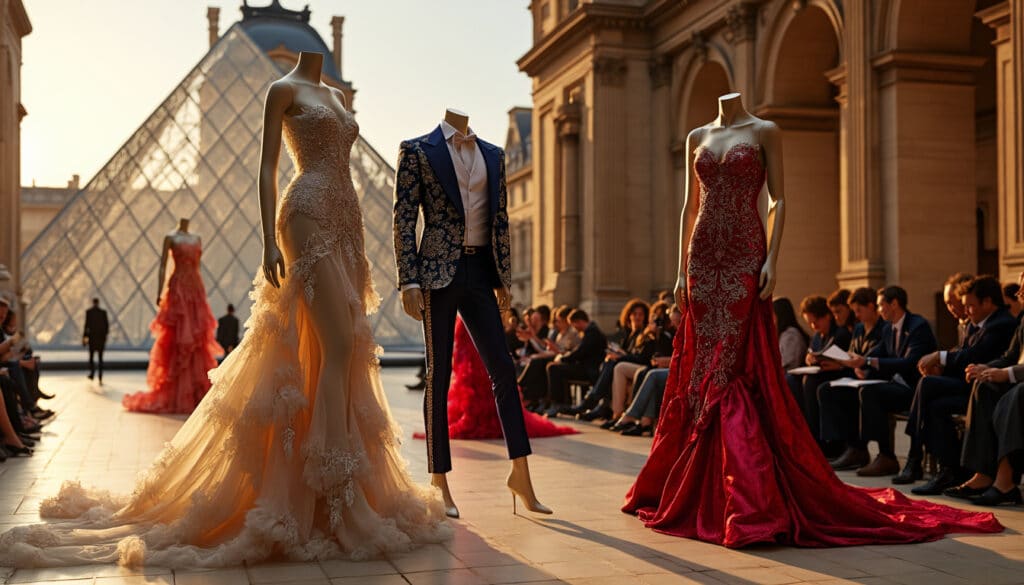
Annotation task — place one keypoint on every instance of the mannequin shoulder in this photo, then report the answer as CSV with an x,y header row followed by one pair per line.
x,y
340,95
696,136
769,130
280,94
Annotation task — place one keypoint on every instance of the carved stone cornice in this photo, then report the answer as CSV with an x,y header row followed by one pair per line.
x,y
589,18
660,69
567,121
912,66
610,71
741,22
19,18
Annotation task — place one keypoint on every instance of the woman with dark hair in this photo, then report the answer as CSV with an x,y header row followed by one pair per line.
x,y
792,339
637,349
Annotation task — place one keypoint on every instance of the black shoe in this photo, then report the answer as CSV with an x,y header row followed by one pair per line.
x,y
622,426
638,431
851,459
34,429
41,415
994,497
964,492
942,481
13,451
46,396
421,385
608,424
90,376
912,472
600,412
27,437
554,410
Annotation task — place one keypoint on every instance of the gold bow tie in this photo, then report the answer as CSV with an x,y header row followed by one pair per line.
x,y
460,140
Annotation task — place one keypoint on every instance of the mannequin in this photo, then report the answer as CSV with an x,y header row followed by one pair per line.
x,y
735,125
449,293
179,235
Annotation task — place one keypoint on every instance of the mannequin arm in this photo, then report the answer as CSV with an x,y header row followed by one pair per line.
x,y
163,268
279,99
771,143
688,216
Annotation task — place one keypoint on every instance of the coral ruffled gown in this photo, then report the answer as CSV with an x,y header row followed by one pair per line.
x,y
185,349
733,461
471,410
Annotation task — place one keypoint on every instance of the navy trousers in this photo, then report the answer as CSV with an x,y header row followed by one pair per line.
x,y
471,296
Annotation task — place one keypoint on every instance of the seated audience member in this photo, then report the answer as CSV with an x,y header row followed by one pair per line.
x,y
28,363
827,332
666,297
535,331
994,435
649,388
867,333
12,351
659,341
1012,298
792,339
581,363
512,323
906,338
955,306
534,379
636,351
838,303
16,443
944,390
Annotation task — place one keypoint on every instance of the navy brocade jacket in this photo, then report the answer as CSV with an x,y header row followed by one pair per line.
x,y
426,180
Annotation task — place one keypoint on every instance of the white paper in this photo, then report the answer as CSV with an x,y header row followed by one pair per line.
x,y
805,370
853,382
835,353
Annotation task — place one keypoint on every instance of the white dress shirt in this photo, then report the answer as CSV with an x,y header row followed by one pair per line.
x,y
471,171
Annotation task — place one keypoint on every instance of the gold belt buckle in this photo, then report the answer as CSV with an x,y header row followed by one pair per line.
x,y
468,250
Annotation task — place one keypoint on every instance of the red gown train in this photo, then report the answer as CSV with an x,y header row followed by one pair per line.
x,y
471,410
184,348
733,461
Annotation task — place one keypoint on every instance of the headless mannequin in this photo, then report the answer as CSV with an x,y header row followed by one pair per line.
x,y
412,301
180,234
735,125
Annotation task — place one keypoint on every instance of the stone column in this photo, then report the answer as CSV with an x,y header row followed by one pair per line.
x,y
337,23
1006,19
741,26
213,23
927,168
861,262
568,286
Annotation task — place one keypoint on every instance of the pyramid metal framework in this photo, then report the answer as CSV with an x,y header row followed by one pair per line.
x,y
196,156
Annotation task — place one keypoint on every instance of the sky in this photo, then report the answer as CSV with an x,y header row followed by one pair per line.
x,y
94,70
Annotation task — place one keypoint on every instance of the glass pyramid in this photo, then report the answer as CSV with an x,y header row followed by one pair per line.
x,y
196,157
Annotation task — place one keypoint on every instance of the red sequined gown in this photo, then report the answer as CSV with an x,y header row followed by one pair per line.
x,y
184,349
733,461
471,410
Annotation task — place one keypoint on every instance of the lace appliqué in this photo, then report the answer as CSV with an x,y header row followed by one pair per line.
x,y
335,470
725,257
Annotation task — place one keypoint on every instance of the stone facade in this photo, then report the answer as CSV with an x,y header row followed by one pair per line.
x,y
901,120
521,201
39,205
14,24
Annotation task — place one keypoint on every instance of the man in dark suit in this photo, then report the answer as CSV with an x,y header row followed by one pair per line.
x,y
582,363
906,338
460,265
95,336
227,331
990,437
944,390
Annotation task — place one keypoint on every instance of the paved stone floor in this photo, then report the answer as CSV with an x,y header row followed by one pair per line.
x,y
583,477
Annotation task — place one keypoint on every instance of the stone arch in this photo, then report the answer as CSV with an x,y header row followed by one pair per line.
x,y
804,47
942,26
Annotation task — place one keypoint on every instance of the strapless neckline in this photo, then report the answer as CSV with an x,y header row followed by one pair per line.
x,y
720,160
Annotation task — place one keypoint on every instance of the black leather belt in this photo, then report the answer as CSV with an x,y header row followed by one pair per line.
x,y
471,250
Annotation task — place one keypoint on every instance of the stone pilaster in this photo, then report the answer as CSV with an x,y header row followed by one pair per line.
x,y
567,124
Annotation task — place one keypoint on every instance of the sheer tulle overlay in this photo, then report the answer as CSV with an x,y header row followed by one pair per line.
x,y
733,461
184,349
293,453
472,413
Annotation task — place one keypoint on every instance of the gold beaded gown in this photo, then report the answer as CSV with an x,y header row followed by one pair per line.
x,y
293,453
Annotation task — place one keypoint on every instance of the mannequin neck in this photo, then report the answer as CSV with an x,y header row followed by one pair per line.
x,y
731,110
309,66
458,119
183,226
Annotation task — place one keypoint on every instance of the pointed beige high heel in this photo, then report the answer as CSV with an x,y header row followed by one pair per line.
x,y
519,484
440,481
